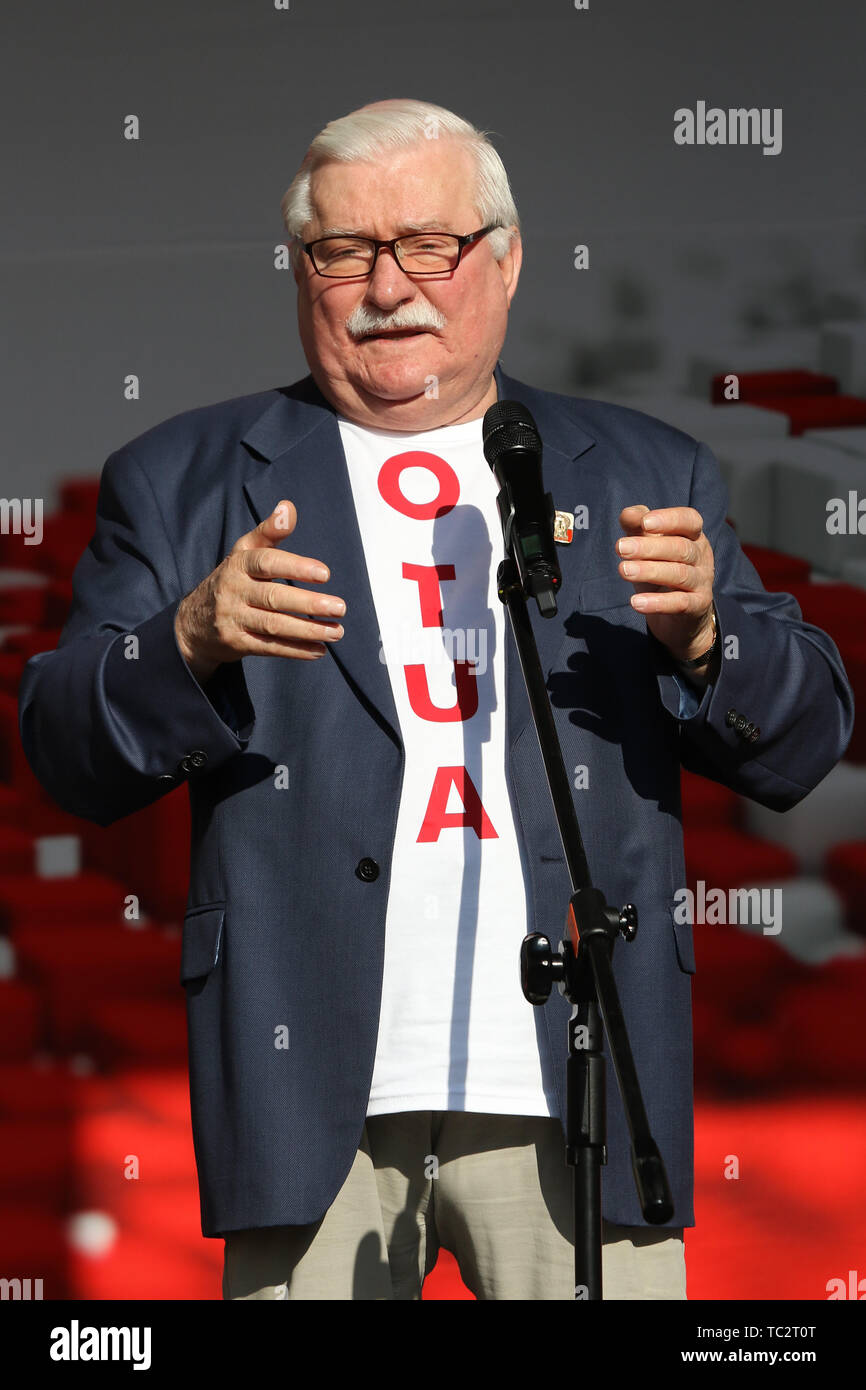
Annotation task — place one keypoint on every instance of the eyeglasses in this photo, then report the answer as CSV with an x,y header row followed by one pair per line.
x,y
422,253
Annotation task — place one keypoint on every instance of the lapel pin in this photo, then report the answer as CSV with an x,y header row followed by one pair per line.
x,y
563,527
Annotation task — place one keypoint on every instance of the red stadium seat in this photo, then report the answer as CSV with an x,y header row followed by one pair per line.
x,y
839,609
137,1030
79,495
854,656
79,968
776,570
34,1245
20,1021
11,806
27,644
64,539
728,858
846,870
816,412
739,994
820,1027
36,1160
82,900
22,604
16,850
11,666
707,804
45,1085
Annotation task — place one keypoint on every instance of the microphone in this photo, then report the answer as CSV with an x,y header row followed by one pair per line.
x,y
512,447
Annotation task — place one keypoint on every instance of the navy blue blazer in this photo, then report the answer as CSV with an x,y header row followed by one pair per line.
x,y
283,931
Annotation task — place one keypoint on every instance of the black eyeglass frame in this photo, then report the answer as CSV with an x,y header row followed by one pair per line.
x,y
462,242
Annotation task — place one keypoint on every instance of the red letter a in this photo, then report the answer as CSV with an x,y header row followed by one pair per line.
x,y
436,818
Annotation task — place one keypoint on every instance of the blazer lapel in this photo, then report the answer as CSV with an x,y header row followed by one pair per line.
x,y
299,437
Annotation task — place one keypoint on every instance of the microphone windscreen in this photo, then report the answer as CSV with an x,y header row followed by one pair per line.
x,y
508,425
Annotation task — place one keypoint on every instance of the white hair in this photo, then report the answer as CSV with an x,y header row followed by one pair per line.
x,y
372,131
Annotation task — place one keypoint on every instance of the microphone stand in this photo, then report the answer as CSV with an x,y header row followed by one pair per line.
x,y
582,968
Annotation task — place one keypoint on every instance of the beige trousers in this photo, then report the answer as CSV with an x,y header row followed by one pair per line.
x,y
493,1189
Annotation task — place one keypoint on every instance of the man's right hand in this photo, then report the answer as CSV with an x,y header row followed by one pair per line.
x,y
238,610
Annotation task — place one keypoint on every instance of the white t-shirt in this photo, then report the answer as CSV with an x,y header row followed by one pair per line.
x,y
455,1032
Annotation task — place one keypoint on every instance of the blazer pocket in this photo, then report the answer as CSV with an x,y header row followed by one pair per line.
x,y
604,591
202,940
685,944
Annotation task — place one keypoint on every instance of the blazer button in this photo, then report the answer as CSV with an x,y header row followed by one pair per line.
x,y
740,723
367,869
193,761
731,718
755,734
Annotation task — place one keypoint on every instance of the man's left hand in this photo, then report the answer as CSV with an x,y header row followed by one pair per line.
x,y
670,562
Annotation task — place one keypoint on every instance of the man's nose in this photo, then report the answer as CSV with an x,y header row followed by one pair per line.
x,y
387,284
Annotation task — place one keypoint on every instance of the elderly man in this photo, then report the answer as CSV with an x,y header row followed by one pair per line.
x,y
371,832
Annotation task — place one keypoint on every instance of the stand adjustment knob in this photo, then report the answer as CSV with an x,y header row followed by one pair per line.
x,y
540,968
628,921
